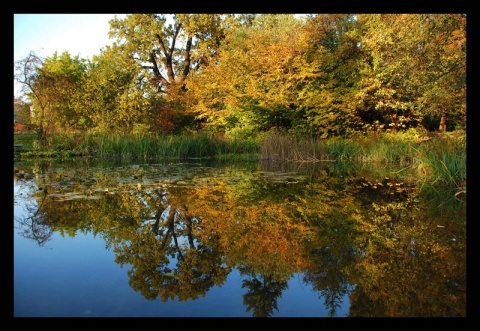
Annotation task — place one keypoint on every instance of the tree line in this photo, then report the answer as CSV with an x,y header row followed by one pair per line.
x,y
238,75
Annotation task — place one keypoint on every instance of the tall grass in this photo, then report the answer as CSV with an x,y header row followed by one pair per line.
x,y
443,162
436,159
149,147
28,140
345,150
447,160
374,148
280,147
439,159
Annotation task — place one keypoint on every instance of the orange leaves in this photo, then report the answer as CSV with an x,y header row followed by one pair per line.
x,y
250,233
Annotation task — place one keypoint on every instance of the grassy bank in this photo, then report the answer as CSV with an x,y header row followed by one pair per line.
x,y
138,147
439,159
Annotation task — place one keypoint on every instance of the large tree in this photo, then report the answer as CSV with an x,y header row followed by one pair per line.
x,y
64,74
333,59
443,58
21,110
168,48
415,69
253,84
26,74
113,93
51,85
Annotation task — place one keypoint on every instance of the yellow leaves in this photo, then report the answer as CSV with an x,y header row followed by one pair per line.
x,y
250,231
255,67
200,24
457,41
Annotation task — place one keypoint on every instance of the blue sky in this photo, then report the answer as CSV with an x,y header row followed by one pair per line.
x,y
79,34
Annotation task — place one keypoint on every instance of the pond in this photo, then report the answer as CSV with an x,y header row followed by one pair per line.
x,y
238,239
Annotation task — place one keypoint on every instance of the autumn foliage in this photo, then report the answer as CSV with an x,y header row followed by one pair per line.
x,y
321,75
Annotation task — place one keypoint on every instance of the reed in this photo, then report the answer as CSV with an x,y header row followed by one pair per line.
x,y
345,150
288,148
447,159
439,159
148,147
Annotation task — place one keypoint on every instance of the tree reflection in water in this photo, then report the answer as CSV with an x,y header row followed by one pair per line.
x,y
263,293
345,234
34,226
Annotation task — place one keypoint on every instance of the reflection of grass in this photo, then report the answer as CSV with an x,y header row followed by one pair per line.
x,y
49,155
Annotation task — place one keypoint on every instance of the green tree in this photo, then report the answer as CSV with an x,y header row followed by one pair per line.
x,y
26,73
65,75
52,85
443,98
415,69
332,65
21,110
114,93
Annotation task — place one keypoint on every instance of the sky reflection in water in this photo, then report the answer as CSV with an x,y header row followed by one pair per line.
x,y
293,242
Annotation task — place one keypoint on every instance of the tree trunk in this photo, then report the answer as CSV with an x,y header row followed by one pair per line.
x,y
443,123
42,135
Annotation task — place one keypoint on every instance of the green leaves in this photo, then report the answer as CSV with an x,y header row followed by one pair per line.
x,y
409,56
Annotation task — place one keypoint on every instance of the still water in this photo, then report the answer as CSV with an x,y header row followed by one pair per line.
x,y
203,239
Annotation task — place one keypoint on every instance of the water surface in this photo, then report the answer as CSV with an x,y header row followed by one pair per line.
x,y
200,239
